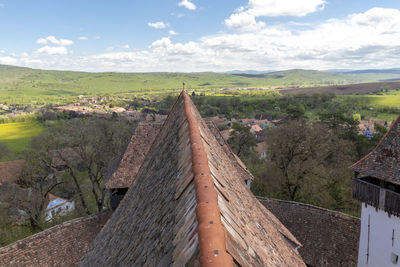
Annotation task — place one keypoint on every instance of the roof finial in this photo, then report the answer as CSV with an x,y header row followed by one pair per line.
x,y
183,86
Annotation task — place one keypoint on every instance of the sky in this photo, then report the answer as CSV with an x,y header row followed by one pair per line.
x,y
200,35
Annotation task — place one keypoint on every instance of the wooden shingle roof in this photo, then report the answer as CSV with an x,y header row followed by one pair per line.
x,y
134,155
190,206
384,161
139,145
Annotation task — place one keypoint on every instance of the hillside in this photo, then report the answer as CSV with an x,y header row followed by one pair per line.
x,y
39,87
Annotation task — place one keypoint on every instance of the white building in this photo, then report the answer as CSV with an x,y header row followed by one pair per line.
x,y
58,207
377,186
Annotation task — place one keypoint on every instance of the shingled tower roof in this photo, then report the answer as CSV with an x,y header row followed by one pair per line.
x,y
188,207
140,143
384,161
134,155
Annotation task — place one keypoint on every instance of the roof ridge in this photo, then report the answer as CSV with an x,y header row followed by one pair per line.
x,y
211,233
378,145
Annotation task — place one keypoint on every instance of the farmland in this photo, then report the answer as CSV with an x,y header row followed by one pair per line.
x,y
24,86
18,135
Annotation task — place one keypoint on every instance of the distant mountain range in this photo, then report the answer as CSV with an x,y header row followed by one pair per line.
x,y
343,71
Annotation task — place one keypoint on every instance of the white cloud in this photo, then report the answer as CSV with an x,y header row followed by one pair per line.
x,y
178,15
53,40
273,8
172,32
187,4
83,38
125,46
2,51
243,21
52,50
245,17
162,43
364,40
8,60
158,25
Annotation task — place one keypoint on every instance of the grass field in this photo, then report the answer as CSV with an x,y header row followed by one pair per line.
x,y
26,86
18,135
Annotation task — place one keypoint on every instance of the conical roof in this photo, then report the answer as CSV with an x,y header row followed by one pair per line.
x,y
189,206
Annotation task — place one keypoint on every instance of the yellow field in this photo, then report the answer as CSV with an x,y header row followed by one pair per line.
x,y
385,100
17,135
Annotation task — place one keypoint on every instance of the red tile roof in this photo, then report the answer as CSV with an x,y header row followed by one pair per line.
x,y
10,170
61,245
383,162
165,219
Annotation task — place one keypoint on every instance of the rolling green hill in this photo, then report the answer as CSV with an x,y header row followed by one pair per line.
x,y
39,87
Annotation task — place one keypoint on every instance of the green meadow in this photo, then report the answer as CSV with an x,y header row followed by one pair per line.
x,y
18,135
27,86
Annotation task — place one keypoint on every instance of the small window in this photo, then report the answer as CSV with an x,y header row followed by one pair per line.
x,y
394,258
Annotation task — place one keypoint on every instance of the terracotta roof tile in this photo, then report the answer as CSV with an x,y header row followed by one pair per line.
x,y
10,170
157,221
61,245
329,238
383,162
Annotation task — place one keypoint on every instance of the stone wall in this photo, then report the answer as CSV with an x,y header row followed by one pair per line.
x,y
61,245
329,238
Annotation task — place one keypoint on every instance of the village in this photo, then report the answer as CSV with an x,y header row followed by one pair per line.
x,y
312,238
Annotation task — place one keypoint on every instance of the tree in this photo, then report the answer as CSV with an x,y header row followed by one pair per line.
x,y
4,150
83,148
92,145
309,163
38,174
241,140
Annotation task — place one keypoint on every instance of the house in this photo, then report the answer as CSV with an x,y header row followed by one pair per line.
x,y
377,186
58,207
261,149
263,117
255,128
60,245
368,133
164,220
10,171
189,207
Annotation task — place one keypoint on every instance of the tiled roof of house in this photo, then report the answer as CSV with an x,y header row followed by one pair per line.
x,y
61,245
384,161
10,170
188,206
134,155
329,238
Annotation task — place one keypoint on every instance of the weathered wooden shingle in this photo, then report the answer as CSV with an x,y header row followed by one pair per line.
x,y
134,155
156,224
384,161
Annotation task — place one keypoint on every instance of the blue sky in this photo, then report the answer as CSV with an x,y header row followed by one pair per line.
x,y
194,35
